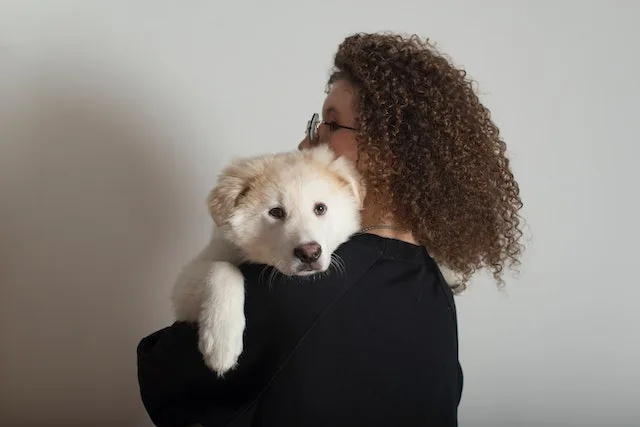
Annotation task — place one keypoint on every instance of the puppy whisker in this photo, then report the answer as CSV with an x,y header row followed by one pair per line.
x,y
275,271
338,264
261,275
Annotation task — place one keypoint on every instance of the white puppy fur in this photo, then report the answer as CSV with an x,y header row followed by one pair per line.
x,y
288,210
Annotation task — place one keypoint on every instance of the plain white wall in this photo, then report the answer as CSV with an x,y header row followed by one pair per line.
x,y
115,118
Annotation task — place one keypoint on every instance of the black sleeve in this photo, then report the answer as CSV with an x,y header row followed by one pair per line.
x,y
178,389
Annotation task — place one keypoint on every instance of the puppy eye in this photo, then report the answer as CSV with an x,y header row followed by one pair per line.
x,y
320,209
277,213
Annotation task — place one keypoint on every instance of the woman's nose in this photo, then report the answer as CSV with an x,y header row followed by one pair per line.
x,y
304,144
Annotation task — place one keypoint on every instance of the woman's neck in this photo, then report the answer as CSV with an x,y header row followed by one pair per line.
x,y
403,235
386,227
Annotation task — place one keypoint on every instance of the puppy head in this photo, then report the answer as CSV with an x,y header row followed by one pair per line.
x,y
289,210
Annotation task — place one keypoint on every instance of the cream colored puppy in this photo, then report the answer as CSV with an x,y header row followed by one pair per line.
x,y
289,210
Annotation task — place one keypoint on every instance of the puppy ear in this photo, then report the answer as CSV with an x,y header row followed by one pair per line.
x,y
234,182
346,172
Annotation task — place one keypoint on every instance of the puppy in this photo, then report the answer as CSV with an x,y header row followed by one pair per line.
x,y
288,210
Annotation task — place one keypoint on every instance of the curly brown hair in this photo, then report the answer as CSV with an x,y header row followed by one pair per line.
x,y
432,152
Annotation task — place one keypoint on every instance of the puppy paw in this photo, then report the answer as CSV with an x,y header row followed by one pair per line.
x,y
221,343
222,320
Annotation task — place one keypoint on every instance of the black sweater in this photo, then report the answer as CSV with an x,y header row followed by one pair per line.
x,y
374,345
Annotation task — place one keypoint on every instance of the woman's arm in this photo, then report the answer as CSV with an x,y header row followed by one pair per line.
x,y
172,377
178,389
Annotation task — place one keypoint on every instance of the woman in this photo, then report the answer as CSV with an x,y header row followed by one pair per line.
x,y
378,344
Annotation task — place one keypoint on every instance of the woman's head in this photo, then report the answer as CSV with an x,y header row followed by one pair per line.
x,y
337,126
431,156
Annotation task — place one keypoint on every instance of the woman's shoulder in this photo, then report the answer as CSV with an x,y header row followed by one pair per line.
x,y
373,278
397,278
377,269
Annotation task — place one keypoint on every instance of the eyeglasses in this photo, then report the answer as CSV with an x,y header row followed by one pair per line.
x,y
314,124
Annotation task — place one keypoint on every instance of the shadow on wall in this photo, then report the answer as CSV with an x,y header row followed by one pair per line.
x,y
90,207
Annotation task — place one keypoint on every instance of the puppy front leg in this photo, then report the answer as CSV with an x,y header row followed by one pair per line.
x,y
192,282
222,320
188,291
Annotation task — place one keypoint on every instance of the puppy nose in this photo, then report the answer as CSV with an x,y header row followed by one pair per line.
x,y
308,252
